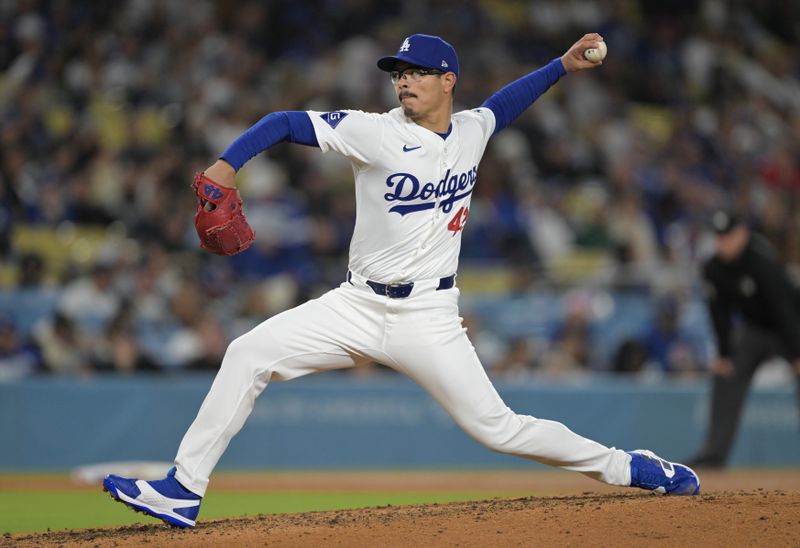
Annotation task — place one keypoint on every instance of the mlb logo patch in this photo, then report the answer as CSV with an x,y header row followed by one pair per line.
x,y
333,118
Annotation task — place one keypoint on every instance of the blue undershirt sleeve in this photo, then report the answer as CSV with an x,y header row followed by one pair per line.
x,y
512,100
292,126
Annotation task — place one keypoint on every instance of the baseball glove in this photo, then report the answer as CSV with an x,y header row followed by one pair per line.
x,y
221,226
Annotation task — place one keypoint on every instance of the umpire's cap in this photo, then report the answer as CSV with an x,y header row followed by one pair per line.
x,y
423,50
723,222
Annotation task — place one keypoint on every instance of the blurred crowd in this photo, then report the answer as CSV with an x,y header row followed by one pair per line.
x,y
108,108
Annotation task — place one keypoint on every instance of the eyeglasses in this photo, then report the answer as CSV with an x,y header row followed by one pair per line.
x,y
413,74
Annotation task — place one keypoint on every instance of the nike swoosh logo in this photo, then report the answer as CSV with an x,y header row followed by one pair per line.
x,y
406,148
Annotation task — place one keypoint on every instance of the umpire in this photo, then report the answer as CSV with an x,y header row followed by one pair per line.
x,y
755,310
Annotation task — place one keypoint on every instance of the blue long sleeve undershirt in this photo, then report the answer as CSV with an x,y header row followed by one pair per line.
x,y
512,100
291,126
296,127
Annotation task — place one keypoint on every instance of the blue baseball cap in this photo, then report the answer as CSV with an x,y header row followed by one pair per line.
x,y
423,50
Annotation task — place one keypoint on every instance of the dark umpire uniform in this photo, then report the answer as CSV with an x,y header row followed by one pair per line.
x,y
755,310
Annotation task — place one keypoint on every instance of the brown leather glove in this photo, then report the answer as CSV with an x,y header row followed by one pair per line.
x,y
219,220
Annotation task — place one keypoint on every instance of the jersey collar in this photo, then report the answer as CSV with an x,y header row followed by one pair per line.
x,y
449,131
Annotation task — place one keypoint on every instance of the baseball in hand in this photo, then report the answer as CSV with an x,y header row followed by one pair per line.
x,y
596,54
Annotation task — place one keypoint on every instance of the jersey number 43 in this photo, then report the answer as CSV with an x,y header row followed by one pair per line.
x,y
458,221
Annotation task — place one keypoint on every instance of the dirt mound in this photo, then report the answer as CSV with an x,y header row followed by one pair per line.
x,y
752,518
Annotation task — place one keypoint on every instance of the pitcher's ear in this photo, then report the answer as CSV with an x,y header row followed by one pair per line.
x,y
450,80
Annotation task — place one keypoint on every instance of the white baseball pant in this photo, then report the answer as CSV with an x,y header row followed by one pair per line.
x,y
420,336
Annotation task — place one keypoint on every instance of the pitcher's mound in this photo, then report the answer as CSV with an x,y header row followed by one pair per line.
x,y
751,518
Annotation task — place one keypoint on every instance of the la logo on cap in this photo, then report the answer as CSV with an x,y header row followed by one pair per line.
x,y
405,46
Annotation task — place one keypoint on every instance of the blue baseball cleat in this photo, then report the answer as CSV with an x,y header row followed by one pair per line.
x,y
164,499
649,471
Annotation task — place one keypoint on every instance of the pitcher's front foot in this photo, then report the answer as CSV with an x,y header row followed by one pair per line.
x,y
651,472
164,499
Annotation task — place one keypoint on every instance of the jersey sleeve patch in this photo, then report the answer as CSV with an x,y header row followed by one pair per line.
x,y
333,118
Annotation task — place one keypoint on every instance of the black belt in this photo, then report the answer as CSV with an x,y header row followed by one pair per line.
x,y
401,291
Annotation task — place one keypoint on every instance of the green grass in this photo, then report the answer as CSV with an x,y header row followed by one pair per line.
x,y
26,511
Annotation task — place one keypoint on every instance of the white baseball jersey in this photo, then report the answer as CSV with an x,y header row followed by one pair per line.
x,y
413,191
413,188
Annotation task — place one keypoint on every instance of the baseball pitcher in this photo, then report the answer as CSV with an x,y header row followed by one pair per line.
x,y
415,168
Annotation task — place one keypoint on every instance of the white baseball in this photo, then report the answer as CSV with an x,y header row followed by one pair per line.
x,y
596,54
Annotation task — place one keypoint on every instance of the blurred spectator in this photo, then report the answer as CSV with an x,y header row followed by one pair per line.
x,y
90,302
630,357
118,351
186,336
634,241
283,243
668,349
33,298
262,301
64,350
211,343
151,286
17,359
570,348
519,361
661,347
31,271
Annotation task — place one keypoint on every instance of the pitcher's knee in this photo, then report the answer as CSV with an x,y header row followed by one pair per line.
x,y
497,435
242,352
498,442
